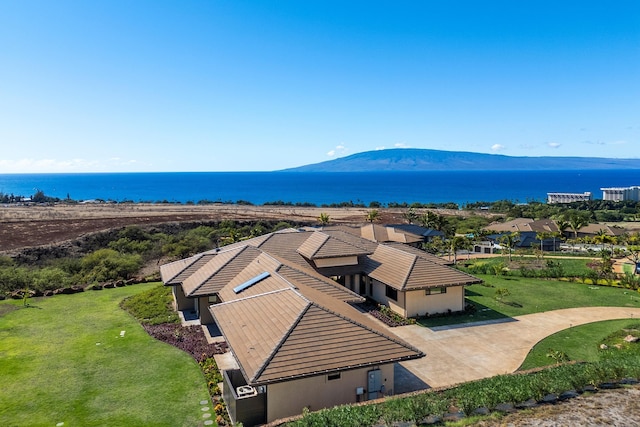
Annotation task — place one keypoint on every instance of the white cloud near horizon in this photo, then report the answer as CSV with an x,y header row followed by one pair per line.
x,y
338,151
497,147
554,144
401,145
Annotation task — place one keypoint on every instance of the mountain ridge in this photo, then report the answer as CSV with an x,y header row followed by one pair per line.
x,y
423,159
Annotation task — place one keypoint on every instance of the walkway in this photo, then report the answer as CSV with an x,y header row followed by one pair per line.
x,y
467,352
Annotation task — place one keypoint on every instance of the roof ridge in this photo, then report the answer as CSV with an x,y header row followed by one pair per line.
x,y
242,249
196,257
284,338
413,264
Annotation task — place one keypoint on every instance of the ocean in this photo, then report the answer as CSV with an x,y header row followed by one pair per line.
x,y
319,188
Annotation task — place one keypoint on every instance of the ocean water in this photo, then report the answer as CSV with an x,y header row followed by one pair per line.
x,y
319,188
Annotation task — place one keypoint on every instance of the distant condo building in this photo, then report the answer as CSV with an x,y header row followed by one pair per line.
x,y
568,197
619,194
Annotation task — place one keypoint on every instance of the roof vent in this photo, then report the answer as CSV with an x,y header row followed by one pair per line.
x,y
251,282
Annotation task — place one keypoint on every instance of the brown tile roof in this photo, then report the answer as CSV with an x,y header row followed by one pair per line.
x,y
282,335
369,246
175,272
222,268
321,245
374,232
303,279
284,245
419,253
263,263
404,271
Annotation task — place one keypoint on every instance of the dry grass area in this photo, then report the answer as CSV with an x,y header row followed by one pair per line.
x,y
29,226
606,408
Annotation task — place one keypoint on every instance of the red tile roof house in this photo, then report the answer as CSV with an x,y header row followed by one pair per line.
x,y
282,302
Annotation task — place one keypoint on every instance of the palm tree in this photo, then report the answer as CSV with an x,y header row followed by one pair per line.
x,y
577,221
509,241
324,218
373,215
458,242
410,215
562,226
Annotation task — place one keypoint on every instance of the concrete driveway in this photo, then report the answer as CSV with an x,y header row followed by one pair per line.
x,y
461,353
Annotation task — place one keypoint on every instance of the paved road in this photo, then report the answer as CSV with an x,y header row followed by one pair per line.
x,y
461,353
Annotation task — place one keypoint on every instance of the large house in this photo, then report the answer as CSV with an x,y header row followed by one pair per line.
x,y
284,304
410,281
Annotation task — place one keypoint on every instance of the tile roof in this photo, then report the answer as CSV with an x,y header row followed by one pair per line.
x,y
405,271
321,245
175,272
282,335
220,269
310,279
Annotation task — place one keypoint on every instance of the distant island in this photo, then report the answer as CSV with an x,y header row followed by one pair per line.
x,y
414,159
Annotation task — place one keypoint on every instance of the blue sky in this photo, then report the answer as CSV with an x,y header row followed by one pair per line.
x,y
132,85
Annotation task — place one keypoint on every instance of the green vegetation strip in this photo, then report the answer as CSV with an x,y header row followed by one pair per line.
x,y
63,359
486,393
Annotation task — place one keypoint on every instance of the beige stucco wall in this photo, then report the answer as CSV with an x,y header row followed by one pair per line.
x,y
182,302
336,262
379,294
290,397
418,303
206,317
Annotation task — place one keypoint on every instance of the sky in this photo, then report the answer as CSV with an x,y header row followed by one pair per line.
x,y
234,85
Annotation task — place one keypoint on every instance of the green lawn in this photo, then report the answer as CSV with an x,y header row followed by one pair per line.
x,y
580,343
62,360
533,296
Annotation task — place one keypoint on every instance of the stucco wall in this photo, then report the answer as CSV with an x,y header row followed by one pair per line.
x,y
206,317
379,294
182,302
418,303
291,397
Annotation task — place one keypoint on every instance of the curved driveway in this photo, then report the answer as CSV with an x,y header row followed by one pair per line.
x,y
460,353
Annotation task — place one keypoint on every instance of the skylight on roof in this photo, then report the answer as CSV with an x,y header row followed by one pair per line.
x,y
251,282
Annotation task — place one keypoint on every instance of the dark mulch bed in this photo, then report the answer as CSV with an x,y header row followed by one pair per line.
x,y
190,339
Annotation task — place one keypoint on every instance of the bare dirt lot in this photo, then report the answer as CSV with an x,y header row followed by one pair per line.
x,y
36,225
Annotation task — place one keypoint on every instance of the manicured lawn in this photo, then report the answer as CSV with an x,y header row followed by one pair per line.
x,y
580,343
63,360
533,296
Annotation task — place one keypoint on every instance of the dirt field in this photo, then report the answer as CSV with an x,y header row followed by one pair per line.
x,y
29,226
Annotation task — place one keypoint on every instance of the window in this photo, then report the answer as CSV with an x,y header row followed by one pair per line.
x,y
214,299
435,291
332,377
391,293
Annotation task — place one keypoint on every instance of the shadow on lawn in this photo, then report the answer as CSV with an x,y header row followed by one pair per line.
x,y
480,315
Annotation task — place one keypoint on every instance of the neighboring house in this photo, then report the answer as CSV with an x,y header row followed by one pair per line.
x,y
410,234
528,231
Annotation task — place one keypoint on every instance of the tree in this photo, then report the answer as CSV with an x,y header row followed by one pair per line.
x,y
562,226
456,243
633,250
373,215
577,221
603,238
509,241
410,215
324,219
